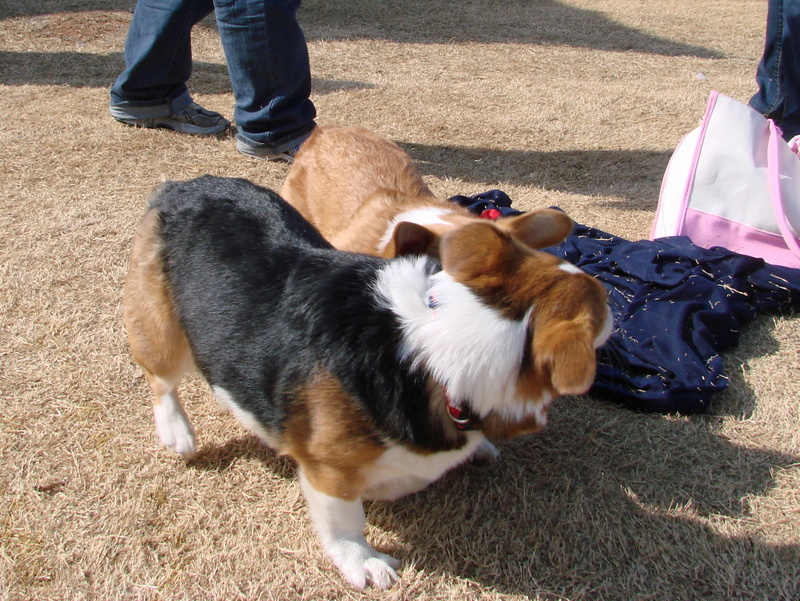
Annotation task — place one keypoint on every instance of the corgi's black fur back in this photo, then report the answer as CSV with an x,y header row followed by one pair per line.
x,y
265,302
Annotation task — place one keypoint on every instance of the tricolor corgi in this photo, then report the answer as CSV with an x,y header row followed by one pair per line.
x,y
365,194
376,376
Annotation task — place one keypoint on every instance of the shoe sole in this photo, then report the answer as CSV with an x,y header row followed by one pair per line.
x,y
275,158
183,128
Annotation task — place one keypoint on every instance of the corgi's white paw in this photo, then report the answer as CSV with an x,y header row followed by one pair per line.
x,y
175,430
486,454
362,565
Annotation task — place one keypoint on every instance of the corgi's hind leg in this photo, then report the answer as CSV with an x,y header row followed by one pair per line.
x,y
156,338
172,423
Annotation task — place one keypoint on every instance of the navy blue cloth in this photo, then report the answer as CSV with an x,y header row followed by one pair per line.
x,y
485,201
676,307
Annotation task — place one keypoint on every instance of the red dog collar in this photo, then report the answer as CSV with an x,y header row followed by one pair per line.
x,y
462,418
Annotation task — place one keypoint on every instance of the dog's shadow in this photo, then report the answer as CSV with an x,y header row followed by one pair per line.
x,y
219,458
603,500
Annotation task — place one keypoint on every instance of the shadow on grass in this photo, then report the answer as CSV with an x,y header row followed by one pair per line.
x,y
74,69
220,458
606,503
605,507
85,70
634,175
30,8
739,399
541,22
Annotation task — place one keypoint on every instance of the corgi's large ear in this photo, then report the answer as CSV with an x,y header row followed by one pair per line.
x,y
538,229
565,350
475,250
411,239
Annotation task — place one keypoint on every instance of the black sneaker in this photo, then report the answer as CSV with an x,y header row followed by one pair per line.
x,y
245,147
193,119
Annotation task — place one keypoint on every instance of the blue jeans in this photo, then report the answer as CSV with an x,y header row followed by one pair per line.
x,y
267,61
778,73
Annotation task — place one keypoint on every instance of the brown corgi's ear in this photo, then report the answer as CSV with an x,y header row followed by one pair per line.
x,y
475,250
538,229
565,351
410,239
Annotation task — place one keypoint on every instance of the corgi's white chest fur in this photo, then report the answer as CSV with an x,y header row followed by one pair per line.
x,y
399,472
464,344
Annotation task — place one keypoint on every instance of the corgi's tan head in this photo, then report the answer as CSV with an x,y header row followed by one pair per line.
x,y
564,310
536,229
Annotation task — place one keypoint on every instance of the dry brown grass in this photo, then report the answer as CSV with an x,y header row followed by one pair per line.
x,y
576,103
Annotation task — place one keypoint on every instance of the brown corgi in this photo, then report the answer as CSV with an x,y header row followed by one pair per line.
x,y
364,194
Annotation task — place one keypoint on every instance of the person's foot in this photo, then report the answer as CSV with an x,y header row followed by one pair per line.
x,y
193,119
246,147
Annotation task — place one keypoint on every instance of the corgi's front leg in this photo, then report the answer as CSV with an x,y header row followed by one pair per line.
x,y
340,525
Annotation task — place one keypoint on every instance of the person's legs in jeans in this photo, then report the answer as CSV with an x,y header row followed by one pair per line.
x,y
778,73
152,91
269,69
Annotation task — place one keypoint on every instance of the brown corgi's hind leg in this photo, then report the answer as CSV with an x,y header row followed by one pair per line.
x,y
157,340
